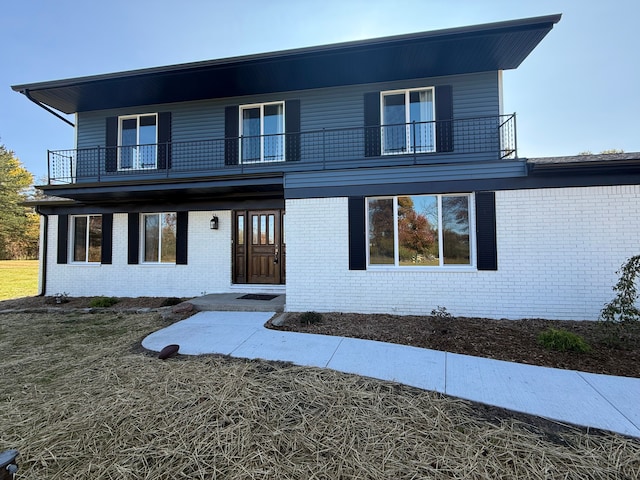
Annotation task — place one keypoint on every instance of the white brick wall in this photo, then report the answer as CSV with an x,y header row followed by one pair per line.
x,y
208,269
558,250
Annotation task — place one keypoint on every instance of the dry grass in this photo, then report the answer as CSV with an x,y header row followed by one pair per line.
x,y
80,400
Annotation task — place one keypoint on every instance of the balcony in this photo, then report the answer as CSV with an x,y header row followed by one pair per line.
x,y
487,138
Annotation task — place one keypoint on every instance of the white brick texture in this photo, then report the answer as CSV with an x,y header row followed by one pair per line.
x,y
558,251
208,269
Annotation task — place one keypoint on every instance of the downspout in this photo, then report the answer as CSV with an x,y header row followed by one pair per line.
x,y
26,93
44,256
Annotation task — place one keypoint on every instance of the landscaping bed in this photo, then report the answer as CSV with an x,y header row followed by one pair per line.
x,y
614,350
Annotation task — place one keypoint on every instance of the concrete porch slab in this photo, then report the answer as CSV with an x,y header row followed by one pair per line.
x,y
231,302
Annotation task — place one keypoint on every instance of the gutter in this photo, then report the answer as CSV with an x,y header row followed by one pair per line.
x,y
26,93
45,248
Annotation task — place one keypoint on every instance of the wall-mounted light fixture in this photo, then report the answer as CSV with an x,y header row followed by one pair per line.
x,y
213,223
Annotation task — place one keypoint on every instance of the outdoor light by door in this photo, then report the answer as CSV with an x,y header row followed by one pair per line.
x,y
213,223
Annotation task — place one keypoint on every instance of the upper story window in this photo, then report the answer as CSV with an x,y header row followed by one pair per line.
x,y
262,131
408,124
86,232
420,231
137,142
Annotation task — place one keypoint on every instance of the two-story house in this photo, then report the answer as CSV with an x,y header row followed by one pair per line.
x,y
370,176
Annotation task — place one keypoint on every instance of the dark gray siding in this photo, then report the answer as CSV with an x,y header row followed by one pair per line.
x,y
340,107
322,112
407,174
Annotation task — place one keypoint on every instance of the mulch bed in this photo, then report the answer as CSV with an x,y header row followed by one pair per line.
x,y
614,350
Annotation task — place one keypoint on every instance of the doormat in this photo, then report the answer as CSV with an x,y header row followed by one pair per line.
x,y
257,296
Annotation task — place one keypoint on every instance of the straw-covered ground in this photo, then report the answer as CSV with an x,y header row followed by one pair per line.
x,y
613,349
80,398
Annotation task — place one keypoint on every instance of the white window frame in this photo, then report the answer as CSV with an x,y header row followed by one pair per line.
x,y
407,109
143,253
471,266
136,164
282,135
72,237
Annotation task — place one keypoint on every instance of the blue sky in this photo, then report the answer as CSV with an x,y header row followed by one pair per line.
x,y
577,91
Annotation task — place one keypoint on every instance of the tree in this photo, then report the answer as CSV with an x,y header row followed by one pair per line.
x,y
415,235
18,224
603,152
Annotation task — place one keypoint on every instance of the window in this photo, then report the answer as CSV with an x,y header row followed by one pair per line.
x,y
420,231
159,237
262,132
138,140
408,121
86,231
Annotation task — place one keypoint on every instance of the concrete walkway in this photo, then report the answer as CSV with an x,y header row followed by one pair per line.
x,y
586,399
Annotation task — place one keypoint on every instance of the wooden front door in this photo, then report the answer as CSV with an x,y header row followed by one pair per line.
x,y
258,247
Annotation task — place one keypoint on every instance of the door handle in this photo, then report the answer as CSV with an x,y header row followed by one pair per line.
x,y
275,258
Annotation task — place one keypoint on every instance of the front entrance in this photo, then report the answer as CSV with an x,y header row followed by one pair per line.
x,y
258,247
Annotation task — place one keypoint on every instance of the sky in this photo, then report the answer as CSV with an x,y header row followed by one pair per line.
x,y
577,91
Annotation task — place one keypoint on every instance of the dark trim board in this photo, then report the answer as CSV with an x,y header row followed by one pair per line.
x,y
460,186
146,207
227,188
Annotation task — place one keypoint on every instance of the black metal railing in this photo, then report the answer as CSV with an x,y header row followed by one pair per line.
x,y
479,138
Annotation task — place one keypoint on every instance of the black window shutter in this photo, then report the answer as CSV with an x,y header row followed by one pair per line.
x,y
182,229
231,133
486,231
133,238
164,140
111,140
292,129
372,124
107,238
357,234
444,118
63,238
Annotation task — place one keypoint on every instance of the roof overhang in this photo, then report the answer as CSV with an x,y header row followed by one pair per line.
x,y
479,48
211,190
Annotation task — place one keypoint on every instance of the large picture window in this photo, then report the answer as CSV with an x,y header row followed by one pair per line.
x,y
420,231
262,132
408,121
86,231
137,143
159,237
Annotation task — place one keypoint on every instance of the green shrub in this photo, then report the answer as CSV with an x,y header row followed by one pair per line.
x,y
441,312
562,341
309,318
103,302
623,309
